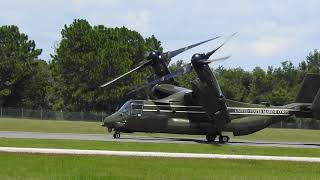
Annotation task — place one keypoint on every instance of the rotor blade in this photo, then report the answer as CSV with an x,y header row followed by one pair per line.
x,y
170,54
183,70
145,63
146,54
138,89
214,60
213,51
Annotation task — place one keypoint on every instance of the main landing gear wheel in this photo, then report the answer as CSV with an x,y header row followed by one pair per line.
x,y
116,135
223,139
210,138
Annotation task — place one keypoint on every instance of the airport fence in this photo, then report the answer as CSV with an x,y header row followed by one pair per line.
x,y
44,114
298,123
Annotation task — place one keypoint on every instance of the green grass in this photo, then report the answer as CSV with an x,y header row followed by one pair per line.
x,y
27,166
39,167
293,135
51,126
160,147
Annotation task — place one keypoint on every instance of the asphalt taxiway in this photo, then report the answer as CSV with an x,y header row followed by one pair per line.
x,y
151,139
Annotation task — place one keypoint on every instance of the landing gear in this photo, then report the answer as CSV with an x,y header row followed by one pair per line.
x,y
116,135
211,138
223,139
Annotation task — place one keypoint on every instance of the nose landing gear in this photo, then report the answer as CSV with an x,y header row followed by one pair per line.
x,y
116,135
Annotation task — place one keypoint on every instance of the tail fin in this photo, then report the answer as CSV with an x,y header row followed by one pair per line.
x,y
316,106
309,89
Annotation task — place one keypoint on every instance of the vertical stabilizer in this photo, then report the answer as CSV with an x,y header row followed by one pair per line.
x,y
309,89
316,106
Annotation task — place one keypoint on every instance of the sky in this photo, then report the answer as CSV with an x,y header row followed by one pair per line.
x,y
269,31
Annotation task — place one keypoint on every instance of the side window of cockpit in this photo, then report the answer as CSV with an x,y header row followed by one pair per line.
x,y
136,109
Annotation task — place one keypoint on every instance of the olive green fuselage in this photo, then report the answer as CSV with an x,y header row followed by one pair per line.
x,y
152,116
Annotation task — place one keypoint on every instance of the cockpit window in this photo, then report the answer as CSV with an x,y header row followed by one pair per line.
x,y
132,107
136,108
125,108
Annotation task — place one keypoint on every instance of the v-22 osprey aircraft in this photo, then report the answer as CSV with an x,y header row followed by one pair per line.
x,y
203,110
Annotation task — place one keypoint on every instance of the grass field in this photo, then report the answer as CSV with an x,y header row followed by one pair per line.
x,y
159,147
39,167
27,166
50,126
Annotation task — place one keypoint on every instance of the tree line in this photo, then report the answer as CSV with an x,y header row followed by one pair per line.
x,y
88,56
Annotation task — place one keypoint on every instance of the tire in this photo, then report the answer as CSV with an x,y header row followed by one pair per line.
x,y
116,135
210,138
224,139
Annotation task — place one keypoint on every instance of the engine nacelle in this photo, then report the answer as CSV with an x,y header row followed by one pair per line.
x,y
208,94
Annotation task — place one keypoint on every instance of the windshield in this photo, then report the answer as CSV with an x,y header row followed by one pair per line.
x,y
125,108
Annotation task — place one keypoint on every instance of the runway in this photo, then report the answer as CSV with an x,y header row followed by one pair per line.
x,y
154,154
149,139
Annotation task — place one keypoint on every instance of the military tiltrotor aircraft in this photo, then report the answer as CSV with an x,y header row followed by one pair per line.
x,y
203,110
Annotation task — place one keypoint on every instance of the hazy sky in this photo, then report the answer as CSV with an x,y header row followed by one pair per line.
x,y
269,31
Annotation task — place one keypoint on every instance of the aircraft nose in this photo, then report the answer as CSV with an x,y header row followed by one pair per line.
x,y
114,121
109,121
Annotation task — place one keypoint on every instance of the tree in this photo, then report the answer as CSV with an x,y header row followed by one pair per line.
x,y
152,43
19,67
89,56
37,86
279,94
235,83
313,61
259,86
